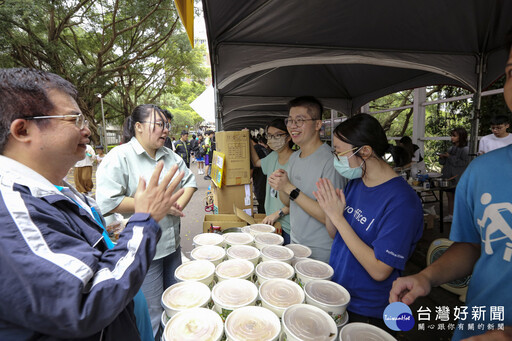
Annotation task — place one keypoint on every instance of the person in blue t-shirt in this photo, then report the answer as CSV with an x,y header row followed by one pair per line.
x,y
482,235
375,222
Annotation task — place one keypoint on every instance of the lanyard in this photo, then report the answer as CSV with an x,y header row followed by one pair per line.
x,y
96,217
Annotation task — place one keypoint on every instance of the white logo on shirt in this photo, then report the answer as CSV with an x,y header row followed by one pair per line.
x,y
358,216
493,214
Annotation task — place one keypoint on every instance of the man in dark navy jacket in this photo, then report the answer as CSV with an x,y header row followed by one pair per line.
x,y
61,276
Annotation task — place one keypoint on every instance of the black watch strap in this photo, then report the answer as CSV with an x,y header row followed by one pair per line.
x,y
294,194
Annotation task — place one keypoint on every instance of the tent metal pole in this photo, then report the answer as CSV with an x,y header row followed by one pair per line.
x,y
477,102
418,121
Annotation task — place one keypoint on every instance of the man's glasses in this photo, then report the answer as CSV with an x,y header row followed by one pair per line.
x,y
275,136
80,121
501,126
337,155
160,124
299,122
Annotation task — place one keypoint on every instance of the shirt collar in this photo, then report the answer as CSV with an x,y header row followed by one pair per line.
x,y
137,147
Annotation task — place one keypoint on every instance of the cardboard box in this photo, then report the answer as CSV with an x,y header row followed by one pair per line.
x,y
235,146
224,198
232,220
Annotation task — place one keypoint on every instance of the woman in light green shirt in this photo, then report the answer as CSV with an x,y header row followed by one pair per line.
x,y
117,179
279,141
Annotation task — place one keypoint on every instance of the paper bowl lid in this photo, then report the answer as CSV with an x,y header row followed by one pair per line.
x,y
194,270
307,322
261,228
234,268
234,292
238,238
208,252
208,239
196,324
243,252
363,331
269,238
185,295
277,252
327,292
299,250
281,293
314,268
274,269
252,324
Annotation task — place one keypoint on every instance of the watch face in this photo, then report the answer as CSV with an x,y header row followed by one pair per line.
x,y
294,194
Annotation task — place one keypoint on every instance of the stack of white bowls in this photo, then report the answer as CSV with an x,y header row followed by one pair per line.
x,y
293,290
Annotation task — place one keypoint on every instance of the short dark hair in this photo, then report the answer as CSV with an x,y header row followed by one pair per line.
x,y
500,119
24,92
508,42
312,104
184,132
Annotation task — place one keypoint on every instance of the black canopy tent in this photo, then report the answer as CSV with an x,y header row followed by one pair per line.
x,y
347,52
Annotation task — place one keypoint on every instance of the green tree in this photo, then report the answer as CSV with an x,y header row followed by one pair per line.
x,y
123,50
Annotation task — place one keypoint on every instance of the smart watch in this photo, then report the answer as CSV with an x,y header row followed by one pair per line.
x,y
294,194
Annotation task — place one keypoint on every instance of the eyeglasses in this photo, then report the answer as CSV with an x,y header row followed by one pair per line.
x,y
159,124
501,126
337,155
80,121
275,136
299,122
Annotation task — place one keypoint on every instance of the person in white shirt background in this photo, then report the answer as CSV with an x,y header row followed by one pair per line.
x,y
499,138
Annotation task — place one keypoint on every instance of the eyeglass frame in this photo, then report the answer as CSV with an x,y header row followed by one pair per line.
x,y
337,155
78,118
296,121
160,124
275,136
498,127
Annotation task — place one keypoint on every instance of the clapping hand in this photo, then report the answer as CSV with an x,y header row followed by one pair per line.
x,y
155,198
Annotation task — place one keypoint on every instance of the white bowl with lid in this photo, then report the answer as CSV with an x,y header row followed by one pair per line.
x,y
304,322
309,269
185,295
255,229
232,294
196,324
299,252
267,238
279,294
202,239
195,270
273,269
234,269
238,238
364,331
212,253
252,324
246,252
276,252
328,296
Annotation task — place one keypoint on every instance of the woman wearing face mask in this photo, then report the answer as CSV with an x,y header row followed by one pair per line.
x,y
376,222
117,177
279,141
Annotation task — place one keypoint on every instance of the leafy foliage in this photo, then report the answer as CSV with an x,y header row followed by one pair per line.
x,y
129,52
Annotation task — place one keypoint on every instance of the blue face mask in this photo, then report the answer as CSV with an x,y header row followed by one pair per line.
x,y
342,166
